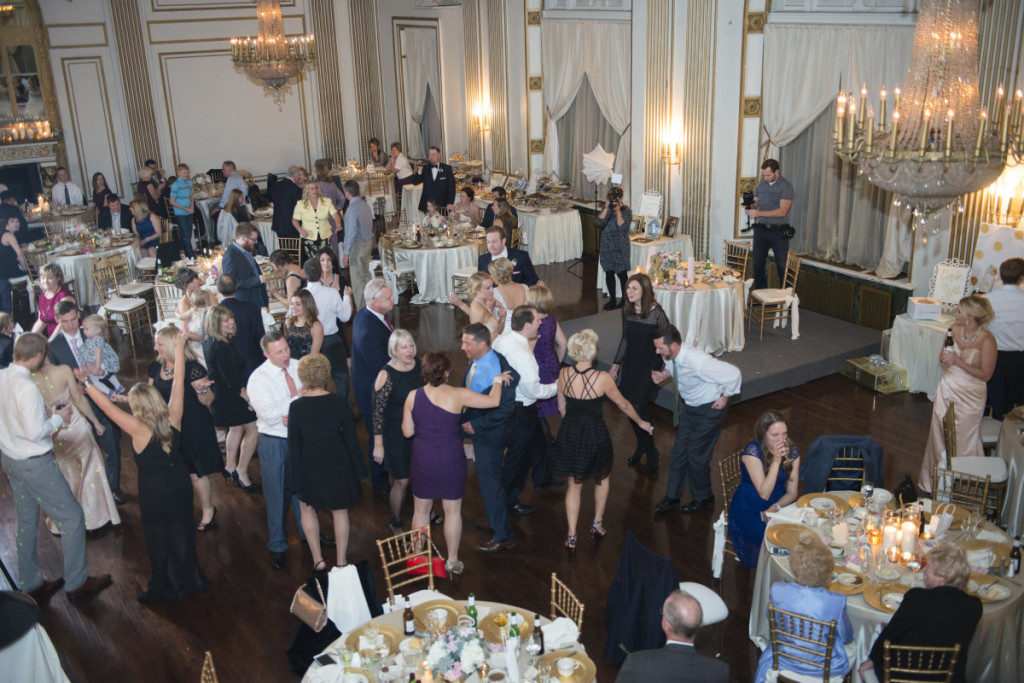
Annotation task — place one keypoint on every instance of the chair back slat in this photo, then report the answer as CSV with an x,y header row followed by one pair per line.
x,y
397,550
847,472
962,489
949,433
912,664
801,639
565,603
736,255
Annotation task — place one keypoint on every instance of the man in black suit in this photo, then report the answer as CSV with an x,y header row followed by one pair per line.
x,y
371,330
114,214
497,192
522,266
677,661
64,345
438,181
285,195
239,263
248,322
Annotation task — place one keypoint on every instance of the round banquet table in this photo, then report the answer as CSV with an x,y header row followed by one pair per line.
x,y
709,315
915,345
552,237
79,267
640,253
484,608
434,269
264,225
996,652
1010,448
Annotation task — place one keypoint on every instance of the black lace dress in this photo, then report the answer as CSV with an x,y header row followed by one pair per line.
x,y
637,358
300,341
583,449
199,446
388,407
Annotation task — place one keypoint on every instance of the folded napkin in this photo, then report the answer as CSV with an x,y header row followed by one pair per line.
x,y
718,553
332,673
980,559
560,633
425,595
793,515
346,603
994,536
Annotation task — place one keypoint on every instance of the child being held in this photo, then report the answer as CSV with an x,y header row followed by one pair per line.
x,y
6,340
97,351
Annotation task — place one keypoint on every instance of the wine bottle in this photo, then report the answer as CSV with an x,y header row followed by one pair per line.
x,y
539,632
471,609
409,619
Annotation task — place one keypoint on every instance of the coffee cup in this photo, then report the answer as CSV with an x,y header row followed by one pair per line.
x,y
566,666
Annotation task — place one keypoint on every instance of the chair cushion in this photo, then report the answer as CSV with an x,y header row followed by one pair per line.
x,y
990,428
133,289
148,263
18,280
124,305
710,602
466,271
980,466
770,296
804,678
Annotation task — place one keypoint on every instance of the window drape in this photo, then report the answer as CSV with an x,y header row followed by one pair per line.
x,y
420,70
580,130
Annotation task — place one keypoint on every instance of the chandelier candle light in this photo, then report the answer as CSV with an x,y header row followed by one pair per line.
x,y
272,57
941,144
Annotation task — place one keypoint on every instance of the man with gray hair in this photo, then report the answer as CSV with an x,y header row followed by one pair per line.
x,y
285,194
677,661
358,240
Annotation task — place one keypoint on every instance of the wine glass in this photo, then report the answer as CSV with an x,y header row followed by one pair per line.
x,y
382,649
533,647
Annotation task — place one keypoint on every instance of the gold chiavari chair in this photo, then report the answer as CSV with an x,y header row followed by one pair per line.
x,y
736,255
292,245
130,314
730,470
126,285
847,470
395,551
961,489
405,275
977,466
770,304
807,641
565,603
911,664
166,297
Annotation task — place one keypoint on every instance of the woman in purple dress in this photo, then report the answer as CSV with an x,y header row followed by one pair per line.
x,y
549,351
432,419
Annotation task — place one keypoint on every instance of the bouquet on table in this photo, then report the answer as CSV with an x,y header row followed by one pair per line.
x,y
456,653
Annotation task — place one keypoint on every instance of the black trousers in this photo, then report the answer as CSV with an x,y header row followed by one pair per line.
x,y
699,429
1006,388
525,450
644,441
765,239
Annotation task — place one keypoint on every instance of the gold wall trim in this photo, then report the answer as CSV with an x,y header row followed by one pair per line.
x,y
184,23
752,107
155,6
328,80
535,83
366,53
45,69
474,77
138,90
537,146
497,63
755,22
103,27
658,97
533,17
750,25
78,131
745,185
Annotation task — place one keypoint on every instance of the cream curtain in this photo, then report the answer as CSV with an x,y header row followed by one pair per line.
x,y
420,70
579,131
601,51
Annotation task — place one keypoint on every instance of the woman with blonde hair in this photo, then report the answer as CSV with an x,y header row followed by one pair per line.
x,y
312,219
583,449
508,293
483,307
146,226
202,301
967,368
199,447
328,190
165,494
324,464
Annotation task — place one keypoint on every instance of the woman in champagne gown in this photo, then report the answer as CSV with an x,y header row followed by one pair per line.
x,y
74,447
969,365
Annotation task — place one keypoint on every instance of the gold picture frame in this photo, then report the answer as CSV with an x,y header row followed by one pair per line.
x,y
671,225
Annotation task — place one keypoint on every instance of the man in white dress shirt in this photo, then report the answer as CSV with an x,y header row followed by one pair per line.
x,y
331,307
271,388
26,441
526,442
1006,387
703,386
65,192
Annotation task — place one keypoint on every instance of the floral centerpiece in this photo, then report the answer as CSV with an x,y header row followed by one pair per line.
x,y
434,222
456,653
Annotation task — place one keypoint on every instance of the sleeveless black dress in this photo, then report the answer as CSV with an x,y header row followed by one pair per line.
x,y
388,409
199,447
583,449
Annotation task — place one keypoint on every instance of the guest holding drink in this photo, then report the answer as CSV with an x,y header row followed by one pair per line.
x,y
294,279
466,210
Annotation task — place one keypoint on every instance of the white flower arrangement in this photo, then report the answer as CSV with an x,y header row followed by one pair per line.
x,y
456,653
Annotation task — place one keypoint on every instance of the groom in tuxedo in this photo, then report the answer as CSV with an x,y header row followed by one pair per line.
x,y
522,266
64,345
438,182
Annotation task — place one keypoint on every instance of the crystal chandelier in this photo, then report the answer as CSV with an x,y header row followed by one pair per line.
x,y
939,143
272,57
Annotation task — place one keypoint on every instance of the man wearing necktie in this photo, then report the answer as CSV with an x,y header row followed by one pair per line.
x,y
489,430
65,192
703,385
438,182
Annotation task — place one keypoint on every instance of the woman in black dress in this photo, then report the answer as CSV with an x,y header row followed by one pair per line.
x,y
12,261
302,327
614,222
199,447
165,494
642,317
324,466
231,407
391,449
294,279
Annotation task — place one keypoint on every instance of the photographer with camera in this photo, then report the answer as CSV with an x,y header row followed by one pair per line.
x,y
614,222
773,198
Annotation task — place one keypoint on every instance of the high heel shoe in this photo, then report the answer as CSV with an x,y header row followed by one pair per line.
x,y
634,459
206,526
597,530
570,543
248,488
228,476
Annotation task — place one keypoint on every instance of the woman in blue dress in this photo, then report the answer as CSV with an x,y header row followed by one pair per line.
x,y
771,466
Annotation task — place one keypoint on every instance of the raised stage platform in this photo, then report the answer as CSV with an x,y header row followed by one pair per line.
x,y
768,365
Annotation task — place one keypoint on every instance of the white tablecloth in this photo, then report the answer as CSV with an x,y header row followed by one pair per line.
x,y
996,652
268,235
709,316
434,268
915,345
411,202
552,238
80,268
32,658
1011,449
639,253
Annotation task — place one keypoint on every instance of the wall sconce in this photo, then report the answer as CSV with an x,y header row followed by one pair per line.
x,y
671,153
482,121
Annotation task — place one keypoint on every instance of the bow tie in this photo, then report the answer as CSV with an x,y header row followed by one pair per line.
x,y
434,166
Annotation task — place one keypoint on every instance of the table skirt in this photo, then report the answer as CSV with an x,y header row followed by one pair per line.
x,y
709,319
915,345
80,268
552,238
434,269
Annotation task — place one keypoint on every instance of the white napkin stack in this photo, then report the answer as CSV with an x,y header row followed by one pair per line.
x,y
560,633
980,559
425,595
793,515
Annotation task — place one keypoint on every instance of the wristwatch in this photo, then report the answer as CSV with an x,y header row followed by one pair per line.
x,y
86,383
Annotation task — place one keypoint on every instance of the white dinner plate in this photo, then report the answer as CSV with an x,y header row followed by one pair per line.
x,y
892,600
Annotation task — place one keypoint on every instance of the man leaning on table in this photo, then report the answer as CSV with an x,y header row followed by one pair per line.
x,y
1006,387
678,661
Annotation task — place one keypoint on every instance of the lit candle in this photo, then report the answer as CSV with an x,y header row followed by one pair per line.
x,y
1019,105
925,118
39,201
881,109
907,557
888,537
893,554
863,102
908,541
896,100
840,113
851,122
870,129
949,132
982,120
234,53
999,106
1003,130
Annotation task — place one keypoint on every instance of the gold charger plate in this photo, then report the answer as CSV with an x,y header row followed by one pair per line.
x,y
857,500
785,534
960,515
984,581
874,592
359,672
806,501
410,245
492,632
582,674
392,636
858,585
1001,550
454,609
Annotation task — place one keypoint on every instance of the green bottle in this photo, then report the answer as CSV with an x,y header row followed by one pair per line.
x,y
471,609
513,626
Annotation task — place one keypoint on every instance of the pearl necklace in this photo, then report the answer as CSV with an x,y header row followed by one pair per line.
x,y
963,335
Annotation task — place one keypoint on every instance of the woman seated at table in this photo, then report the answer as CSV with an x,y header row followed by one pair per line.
x,y
432,418
187,280
769,478
100,191
508,293
312,218
324,463
466,209
237,211
939,615
399,164
504,218
812,565
302,327
146,226
483,307
294,279
51,281
375,158
968,366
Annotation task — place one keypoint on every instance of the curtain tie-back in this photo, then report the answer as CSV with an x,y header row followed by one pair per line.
x,y
766,144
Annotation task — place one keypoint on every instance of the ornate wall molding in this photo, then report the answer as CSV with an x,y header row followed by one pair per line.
x,y
131,56
537,146
535,83
657,94
497,40
474,77
328,79
755,22
366,51
533,18
752,107
745,185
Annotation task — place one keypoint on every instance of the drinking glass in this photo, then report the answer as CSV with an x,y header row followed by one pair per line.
x,y
533,647
382,650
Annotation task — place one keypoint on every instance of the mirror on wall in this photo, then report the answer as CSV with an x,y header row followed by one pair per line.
x,y
21,95
418,64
